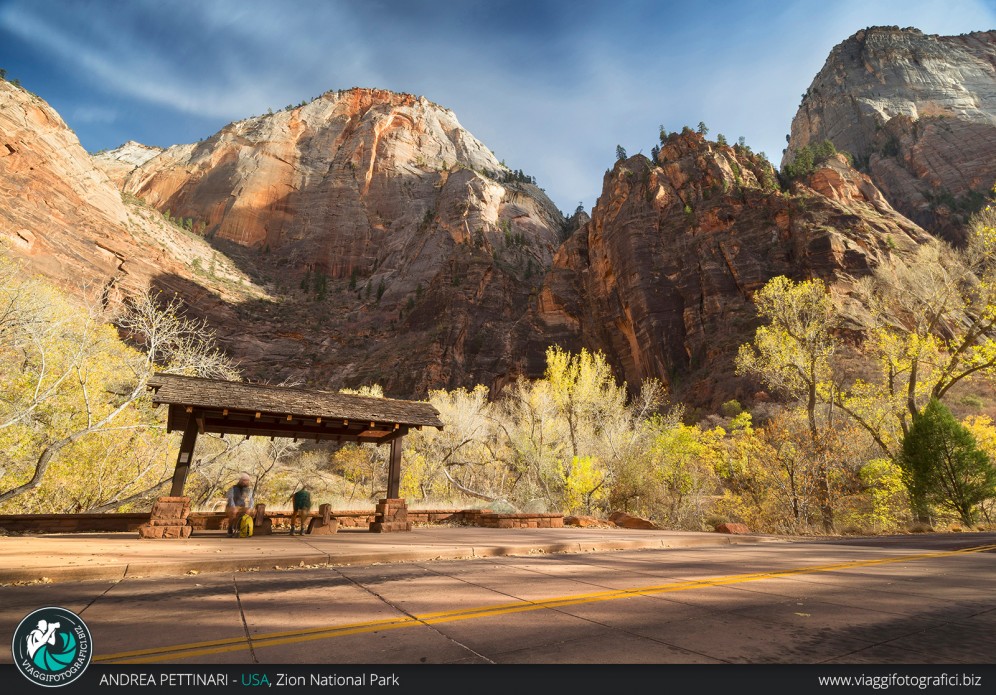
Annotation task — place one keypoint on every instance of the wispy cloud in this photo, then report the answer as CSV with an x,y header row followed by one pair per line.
x,y
94,114
217,59
552,86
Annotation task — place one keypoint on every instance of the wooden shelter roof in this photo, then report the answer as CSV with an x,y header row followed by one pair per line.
x,y
279,411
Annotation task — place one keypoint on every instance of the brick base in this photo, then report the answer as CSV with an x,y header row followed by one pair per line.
x,y
391,516
164,531
168,519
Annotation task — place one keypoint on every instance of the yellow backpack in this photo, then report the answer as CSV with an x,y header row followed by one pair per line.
x,y
245,526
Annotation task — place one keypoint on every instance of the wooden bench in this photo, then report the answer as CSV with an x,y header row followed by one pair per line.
x,y
320,524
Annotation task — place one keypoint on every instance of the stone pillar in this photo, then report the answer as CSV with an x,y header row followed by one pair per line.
x,y
261,524
391,515
168,519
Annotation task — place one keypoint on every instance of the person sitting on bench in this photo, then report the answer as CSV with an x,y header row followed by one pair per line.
x,y
237,500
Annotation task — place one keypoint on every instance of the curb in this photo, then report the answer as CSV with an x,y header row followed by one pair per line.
x,y
313,558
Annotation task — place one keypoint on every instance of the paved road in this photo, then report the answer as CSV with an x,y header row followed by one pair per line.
x,y
113,556
921,602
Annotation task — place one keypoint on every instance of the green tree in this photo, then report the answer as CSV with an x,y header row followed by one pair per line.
x,y
702,129
620,153
942,463
584,390
808,158
792,353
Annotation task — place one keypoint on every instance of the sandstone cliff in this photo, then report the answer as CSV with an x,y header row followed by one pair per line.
x,y
365,237
917,112
62,216
661,279
400,250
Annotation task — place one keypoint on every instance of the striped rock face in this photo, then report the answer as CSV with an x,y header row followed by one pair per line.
x,y
382,229
327,243
661,278
365,237
917,112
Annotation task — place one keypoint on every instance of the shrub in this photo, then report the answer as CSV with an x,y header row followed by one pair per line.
x,y
808,158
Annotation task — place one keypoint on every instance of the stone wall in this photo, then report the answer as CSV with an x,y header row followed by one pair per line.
x,y
72,523
214,521
348,518
489,520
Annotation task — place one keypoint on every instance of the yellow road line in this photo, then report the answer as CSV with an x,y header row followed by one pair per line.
x,y
272,639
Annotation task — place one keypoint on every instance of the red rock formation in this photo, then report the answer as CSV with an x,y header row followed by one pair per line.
x,y
662,277
917,111
366,237
386,231
65,219
624,520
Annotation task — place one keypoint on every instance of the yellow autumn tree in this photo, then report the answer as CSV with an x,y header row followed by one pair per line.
x,y
72,393
792,354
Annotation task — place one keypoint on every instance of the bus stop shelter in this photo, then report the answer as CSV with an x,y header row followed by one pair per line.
x,y
198,406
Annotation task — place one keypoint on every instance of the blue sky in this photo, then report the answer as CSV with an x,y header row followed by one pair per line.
x,y
551,87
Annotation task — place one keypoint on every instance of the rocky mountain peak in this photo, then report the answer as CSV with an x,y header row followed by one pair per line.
x,y
691,168
366,147
918,113
122,160
380,214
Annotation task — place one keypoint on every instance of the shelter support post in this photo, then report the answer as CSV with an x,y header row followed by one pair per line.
x,y
184,458
394,470
392,513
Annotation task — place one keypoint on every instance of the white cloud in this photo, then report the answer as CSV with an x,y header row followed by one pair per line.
x,y
247,60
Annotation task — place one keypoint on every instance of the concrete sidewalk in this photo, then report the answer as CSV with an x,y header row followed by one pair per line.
x,y
76,557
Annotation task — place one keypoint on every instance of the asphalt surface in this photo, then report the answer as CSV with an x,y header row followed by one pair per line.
x,y
915,600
